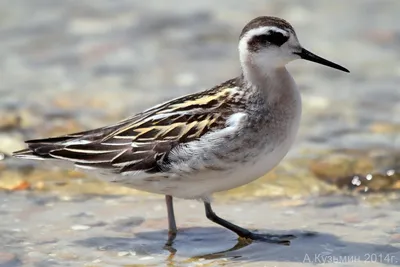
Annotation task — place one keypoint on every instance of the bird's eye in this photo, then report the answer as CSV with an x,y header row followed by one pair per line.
x,y
272,37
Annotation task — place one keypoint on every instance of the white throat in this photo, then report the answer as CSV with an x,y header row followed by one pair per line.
x,y
264,67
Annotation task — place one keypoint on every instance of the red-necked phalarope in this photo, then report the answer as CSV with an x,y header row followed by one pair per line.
x,y
215,140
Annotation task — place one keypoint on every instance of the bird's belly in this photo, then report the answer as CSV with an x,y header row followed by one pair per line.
x,y
248,164
204,183
263,159
245,173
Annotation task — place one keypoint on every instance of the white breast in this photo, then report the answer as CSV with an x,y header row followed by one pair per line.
x,y
270,156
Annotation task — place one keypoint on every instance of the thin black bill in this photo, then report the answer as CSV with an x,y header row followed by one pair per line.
x,y
307,55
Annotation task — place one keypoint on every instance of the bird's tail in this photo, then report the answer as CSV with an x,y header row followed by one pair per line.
x,y
26,154
39,149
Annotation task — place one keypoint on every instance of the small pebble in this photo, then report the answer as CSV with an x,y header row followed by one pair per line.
x,y
80,227
146,258
126,253
390,172
133,253
123,253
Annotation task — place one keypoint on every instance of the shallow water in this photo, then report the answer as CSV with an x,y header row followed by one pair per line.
x,y
68,66
44,230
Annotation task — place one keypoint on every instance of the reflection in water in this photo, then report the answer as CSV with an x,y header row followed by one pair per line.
x,y
311,247
241,243
172,259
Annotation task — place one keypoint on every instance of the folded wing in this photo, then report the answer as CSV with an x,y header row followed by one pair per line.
x,y
143,142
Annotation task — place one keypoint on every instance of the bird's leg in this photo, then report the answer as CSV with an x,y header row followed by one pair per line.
x,y
172,230
276,239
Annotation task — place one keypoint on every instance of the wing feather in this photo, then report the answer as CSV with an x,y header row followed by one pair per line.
x,y
144,141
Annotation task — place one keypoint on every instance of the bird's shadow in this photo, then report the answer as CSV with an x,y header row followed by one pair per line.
x,y
215,243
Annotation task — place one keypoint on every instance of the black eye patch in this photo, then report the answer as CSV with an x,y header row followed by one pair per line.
x,y
272,37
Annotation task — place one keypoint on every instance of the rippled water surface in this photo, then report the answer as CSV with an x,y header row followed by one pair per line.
x,y
73,65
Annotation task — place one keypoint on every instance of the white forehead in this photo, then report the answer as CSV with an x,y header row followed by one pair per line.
x,y
263,30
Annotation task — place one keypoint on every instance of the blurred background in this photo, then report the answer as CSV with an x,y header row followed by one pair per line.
x,y
70,65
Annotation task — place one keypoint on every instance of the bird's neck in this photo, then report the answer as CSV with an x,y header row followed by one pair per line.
x,y
271,83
